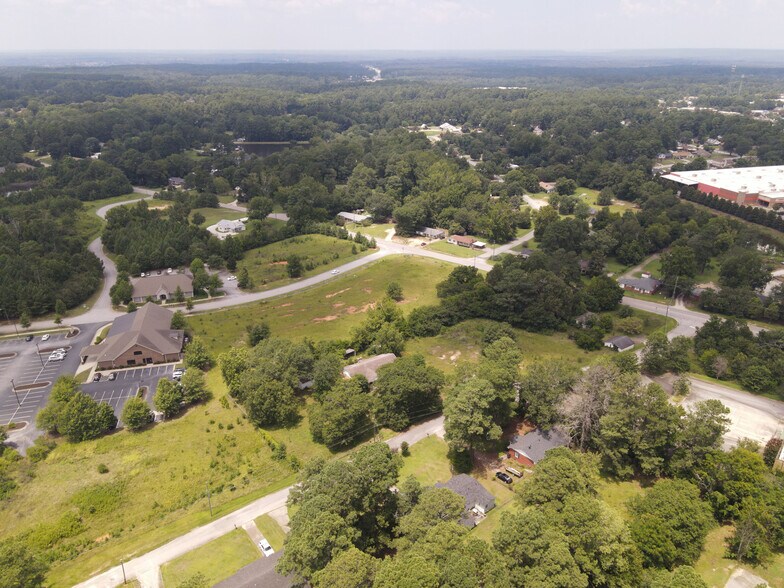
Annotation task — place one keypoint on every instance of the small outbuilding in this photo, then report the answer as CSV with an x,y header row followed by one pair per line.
x,y
529,449
620,343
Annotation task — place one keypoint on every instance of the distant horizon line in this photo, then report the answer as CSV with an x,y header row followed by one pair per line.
x,y
137,51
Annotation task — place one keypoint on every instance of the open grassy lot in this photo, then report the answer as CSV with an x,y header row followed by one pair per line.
x,y
428,462
617,494
716,569
379,231
213,215
330,310
216,561
271,530
154,490
267,265
711,273
590,197
456,250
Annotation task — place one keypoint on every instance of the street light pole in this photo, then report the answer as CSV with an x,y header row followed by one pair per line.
x,y
15,394
122,565
39,355
209,497
9,320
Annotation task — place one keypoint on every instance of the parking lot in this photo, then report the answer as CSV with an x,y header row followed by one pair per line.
x,y
127,385
32,372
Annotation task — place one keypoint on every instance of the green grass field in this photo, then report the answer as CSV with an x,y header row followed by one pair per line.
x,y
213,215
711,273
716,569
456,250
378,231
216,561
267,265
271,530
427,462
590,197
154,490
327,311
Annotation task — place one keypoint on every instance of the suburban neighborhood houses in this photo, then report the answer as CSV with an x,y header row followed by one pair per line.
x,y
498,318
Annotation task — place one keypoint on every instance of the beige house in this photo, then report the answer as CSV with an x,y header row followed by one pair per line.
x,y
161,287
138,338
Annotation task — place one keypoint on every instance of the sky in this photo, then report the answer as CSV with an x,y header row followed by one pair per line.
x,y
368,25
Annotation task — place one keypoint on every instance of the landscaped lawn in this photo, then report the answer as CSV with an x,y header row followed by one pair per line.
x,y
267,265
154,490
428,462
213,215
450,249
591,195
271,530
614,266
329,310
216,561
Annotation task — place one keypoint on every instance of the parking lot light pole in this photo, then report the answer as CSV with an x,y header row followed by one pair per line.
x,y
39,355
15,394
9,320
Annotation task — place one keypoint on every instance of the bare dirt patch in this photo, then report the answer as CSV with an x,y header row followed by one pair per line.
x,y
455,355
103,538
333,294
338,304
284,262
325,319
367,290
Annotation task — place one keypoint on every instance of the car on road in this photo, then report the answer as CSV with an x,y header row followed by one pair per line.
x,y
142,275
169,271
335,271
266,548
45,337
97,377
505,478
29,338
112,376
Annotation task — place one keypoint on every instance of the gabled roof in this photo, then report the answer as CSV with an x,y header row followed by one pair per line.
x,y
152,285
147,327
621,342
470,489
640,283
369,367
463,239
537,443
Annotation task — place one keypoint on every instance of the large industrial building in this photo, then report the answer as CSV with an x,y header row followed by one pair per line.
x,y
749,186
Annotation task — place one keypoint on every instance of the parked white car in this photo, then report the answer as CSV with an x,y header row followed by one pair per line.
x,y
45,337
266,548
56,357
170,270
231,278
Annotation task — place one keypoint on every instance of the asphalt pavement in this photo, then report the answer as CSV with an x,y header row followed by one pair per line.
x,y
32,372
127,384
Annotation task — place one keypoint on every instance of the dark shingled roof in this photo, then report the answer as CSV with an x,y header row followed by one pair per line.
x,y
260,574
648,284
537,443
621,342
470,489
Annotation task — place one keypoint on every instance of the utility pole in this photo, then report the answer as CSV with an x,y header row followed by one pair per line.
x,y
15,394
9,320
122,565
209,497
667,311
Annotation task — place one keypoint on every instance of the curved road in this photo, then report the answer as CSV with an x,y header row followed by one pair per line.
x,y
146,568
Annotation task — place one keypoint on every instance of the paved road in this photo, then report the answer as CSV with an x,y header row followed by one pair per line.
x,y
146,568
753,417
508,247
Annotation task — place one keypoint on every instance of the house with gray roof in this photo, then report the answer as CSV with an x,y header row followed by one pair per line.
x,y
478,501
369,367
620,343
529,449
141,337
431,233
641,285
354,217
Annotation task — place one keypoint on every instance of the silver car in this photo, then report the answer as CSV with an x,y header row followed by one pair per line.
x,y
266,548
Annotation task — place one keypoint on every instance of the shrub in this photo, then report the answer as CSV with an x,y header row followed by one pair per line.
x,y
404,450
103,468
